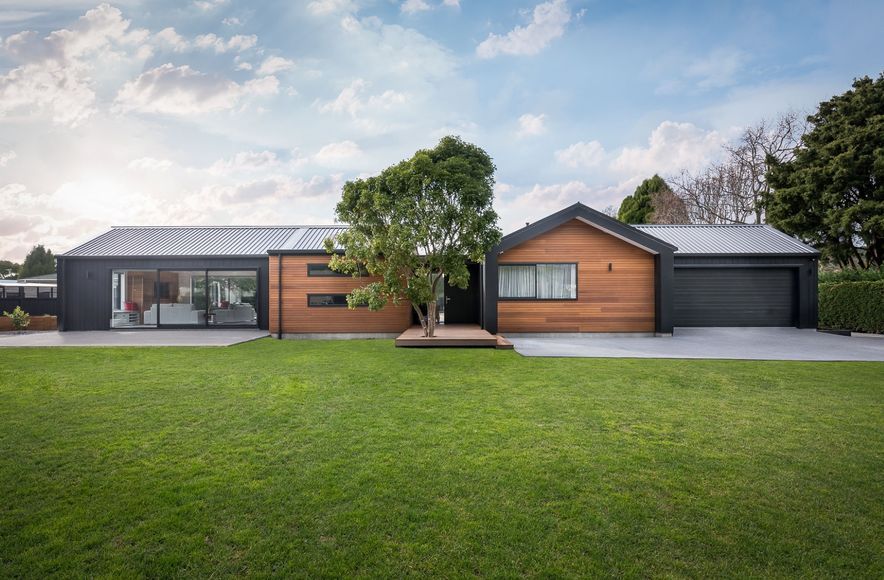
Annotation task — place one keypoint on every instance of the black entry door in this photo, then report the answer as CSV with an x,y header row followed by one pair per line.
x,y
462,306
735,297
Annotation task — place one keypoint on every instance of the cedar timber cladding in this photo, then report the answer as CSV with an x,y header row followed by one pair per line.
x,y
619,300
298,318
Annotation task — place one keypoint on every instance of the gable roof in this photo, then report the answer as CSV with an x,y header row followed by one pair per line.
x,y
735,239
149,241
592,217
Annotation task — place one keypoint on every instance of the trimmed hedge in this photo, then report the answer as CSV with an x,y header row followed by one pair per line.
x,y
857,306
851,275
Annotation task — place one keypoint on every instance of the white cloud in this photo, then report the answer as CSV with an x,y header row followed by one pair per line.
x,y
581,155
181,90
350,100
206,5
671,147
414,6
231,21
149,164
275,64
539,201
337,154
548,22
531,125
168,37
236,43
245,161
5,158
325,7
451,3
717,69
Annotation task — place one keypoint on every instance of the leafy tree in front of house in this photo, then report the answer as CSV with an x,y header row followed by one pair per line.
x,y
652,203
416,225
831,194
38,262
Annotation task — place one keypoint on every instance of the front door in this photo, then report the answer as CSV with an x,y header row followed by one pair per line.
x,y
462,306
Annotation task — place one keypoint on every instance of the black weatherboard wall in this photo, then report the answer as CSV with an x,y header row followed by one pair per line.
x,y
85,286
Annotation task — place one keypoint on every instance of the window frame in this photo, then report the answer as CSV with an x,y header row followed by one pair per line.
x,y
344,305
332,274
535,298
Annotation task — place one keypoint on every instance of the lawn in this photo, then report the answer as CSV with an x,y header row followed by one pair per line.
x,y
358,459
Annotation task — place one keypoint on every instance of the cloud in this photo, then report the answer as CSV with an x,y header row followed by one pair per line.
x,y
149,164
326,7
245,161
275,64
337,154
181,90
451,3
531,125
169,38
236,43
206,5
717,69
581,155
671,147
351,101
5,158
414,6
548,22
539,201
56,72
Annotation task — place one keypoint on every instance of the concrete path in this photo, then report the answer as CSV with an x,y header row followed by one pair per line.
x,y
147,337
712,343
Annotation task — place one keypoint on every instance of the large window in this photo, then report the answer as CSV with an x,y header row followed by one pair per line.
x,y
322,270
537,281
184,298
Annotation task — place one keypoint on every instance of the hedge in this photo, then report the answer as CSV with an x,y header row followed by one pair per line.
x,y
851,275
857,306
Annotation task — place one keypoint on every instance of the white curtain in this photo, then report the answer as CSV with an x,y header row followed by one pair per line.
x,y
556,281
516,281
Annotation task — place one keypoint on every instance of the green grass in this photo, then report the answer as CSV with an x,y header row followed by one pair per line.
x,y
358,459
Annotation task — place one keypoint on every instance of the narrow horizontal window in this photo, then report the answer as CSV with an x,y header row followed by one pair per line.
x,y
537,281
327,300
322,270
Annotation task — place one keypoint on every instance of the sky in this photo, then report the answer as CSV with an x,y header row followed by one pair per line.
x,y
241,112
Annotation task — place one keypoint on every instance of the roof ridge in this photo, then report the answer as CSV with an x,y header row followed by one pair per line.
x,y
206,227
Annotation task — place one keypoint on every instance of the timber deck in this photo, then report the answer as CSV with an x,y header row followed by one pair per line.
x,y
452,335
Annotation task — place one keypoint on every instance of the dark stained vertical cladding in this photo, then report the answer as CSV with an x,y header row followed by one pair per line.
x,y
86,294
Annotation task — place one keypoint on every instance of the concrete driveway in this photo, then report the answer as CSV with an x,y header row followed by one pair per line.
x,y
151,337
712,343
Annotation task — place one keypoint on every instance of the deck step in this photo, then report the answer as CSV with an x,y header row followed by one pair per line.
x,y
503,343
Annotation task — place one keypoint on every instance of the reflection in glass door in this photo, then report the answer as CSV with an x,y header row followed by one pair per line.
x,y
181,295
133,298
233,298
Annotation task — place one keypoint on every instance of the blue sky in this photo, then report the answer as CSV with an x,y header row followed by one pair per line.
x,y
234,112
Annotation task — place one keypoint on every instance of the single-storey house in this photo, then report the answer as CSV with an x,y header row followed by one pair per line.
x,y
575,271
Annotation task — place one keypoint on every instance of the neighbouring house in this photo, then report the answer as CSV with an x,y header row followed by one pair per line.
x,y
575,271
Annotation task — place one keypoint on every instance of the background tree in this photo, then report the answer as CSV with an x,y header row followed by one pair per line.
x,y
653,202
832,193
733,189
38,262
9,269
416,224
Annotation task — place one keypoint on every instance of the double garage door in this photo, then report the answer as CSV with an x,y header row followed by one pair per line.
x,y
736,297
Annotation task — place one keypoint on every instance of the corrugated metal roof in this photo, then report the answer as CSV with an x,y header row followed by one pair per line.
x,y
185,241
311,238
727,239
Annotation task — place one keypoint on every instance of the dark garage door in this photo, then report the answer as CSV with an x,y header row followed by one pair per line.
x,y
735,297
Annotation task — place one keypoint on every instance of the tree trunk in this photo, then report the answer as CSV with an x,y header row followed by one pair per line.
x,y
430,330
420,317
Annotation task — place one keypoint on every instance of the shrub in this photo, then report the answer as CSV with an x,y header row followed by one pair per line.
x,y
851,275
20,318
857,306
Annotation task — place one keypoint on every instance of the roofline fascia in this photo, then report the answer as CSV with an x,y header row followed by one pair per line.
x,y
167,257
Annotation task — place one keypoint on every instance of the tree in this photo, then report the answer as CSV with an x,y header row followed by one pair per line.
x,y
8,269
733,189
652,202
39,261
831,194
417,224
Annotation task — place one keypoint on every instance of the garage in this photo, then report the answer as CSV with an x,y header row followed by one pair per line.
x,y
736,297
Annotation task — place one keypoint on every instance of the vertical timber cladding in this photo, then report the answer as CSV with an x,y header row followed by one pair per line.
x,y
617,300
298,318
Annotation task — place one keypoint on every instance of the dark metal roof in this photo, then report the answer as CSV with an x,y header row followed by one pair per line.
x,y
133,241
727,239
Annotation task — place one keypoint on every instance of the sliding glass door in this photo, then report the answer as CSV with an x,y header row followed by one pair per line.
x,y
184,298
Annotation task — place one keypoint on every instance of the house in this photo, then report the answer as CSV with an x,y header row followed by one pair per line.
x,y
577,270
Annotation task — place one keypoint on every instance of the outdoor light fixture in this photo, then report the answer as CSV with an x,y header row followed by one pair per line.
x,y
610,266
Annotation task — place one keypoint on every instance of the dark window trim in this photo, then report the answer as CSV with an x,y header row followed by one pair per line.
x,y
535,264
332,273
344,294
